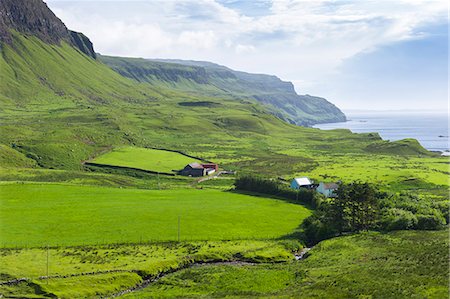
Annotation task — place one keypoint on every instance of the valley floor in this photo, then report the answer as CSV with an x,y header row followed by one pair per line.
x,y
78,234
403,264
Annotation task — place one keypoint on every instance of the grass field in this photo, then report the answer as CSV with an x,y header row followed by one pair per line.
x,y
370,265
145,158
53,214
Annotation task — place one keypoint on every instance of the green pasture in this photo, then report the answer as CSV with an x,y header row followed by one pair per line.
x,y
53,214
370,265
145,158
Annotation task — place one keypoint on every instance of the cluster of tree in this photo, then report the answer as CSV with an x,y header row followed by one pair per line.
x,y
360,206
408,211
272,187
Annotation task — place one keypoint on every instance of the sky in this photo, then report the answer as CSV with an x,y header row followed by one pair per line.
x,y
359,54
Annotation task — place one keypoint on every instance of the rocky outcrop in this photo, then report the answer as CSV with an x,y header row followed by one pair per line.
x,y
33,17
83,43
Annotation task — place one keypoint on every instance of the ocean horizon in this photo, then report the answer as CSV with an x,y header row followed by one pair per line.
x,y
430,128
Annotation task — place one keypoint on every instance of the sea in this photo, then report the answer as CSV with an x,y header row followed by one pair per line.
x,y
431,129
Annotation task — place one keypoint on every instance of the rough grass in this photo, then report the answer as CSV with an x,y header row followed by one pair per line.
x,y
144,158
12,158
150,258
370,265
92,286
53,214
145,259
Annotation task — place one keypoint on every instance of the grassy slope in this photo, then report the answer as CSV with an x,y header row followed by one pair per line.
x,y
50,214
144,158
146,259
372,265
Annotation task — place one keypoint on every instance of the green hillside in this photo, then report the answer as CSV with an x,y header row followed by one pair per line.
x,y
205,78
60,107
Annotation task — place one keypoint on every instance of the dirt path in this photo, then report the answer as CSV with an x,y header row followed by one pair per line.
x,y
215,176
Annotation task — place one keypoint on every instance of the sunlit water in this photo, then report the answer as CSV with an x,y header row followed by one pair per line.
x,y
430,129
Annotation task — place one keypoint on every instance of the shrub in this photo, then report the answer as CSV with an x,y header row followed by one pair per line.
x,y
397,219
292,245
430,221
443,207
316,229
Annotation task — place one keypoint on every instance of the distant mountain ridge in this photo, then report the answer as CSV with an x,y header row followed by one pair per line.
x,y
203,77
33,17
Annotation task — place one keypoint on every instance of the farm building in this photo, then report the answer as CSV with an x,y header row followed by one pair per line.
x,y
197,169
327,189
302,182
211,166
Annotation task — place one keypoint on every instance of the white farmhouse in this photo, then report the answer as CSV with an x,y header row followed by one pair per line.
x,y
327,189
302,182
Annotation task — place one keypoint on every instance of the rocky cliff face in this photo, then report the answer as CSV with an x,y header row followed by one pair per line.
x,y
33,17
83,43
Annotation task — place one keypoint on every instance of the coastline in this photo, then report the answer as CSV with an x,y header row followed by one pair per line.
x,y
430,129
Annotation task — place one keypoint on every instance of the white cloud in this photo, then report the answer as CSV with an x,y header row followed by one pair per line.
x,y
197,39
240,49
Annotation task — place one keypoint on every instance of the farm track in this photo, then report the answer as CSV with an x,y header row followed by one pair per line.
x,y
210,177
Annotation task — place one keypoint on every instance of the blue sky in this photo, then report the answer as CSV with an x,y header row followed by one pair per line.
x,y
358,54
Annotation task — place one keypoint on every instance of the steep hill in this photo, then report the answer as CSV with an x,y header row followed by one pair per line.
x,y
199,77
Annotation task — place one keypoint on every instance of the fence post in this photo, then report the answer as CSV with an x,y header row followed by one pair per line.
x,y
47,262
179,228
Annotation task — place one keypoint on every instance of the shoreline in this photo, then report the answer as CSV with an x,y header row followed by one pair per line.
x,y
430,132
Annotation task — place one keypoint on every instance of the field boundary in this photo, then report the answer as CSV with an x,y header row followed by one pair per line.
x,y
126,168
178,152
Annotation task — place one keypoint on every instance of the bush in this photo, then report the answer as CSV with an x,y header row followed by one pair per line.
x,y
316,229
292,245
397,219
443,207
431,221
